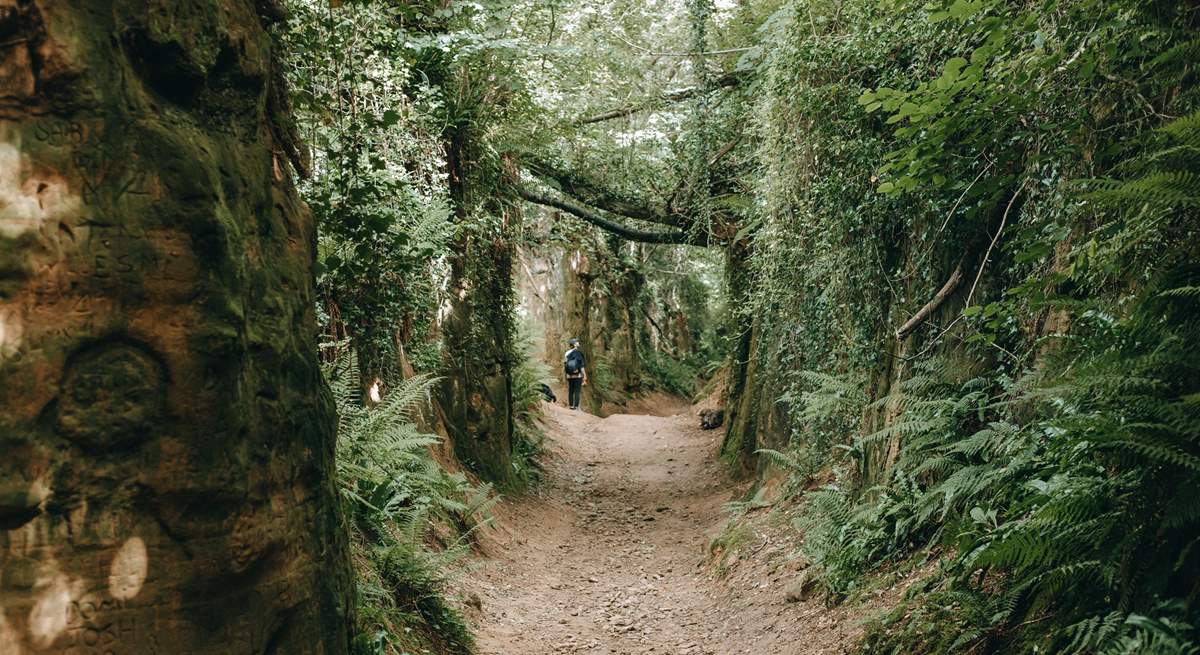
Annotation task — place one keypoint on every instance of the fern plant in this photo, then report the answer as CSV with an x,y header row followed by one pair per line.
x,y
1109,518
1074,506
825,409
395,494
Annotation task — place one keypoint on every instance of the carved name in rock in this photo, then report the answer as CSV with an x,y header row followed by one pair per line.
x,y
167,439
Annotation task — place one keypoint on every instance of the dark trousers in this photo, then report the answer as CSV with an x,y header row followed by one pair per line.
x,y
574,391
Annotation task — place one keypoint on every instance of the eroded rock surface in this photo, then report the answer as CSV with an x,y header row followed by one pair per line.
x,y
167,439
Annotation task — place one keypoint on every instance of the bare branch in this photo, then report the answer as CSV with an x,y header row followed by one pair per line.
x,y
930,307
987,255
725,150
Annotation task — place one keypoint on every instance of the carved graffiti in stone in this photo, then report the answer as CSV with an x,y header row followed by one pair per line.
x,y
112,395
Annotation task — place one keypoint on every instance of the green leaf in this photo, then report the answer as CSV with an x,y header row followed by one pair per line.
x,y
965,8
1035,252
954,66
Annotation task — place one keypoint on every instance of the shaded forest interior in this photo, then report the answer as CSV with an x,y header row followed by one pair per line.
x,y
286,285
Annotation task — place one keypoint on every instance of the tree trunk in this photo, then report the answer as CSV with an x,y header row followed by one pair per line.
x,y
476,391
168,440
741,390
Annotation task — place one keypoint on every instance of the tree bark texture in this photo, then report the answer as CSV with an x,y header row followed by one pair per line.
x,y
740,396
476,390
168,439
475,394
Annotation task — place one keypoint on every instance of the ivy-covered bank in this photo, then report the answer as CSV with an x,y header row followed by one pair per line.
x,y
972,313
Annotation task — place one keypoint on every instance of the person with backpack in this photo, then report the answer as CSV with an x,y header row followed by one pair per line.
x,y
575,370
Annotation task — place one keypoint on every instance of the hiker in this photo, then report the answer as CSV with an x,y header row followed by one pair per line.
x,y
575,370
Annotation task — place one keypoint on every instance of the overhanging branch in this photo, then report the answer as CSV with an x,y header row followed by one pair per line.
x,y
728,79
595,195
623,231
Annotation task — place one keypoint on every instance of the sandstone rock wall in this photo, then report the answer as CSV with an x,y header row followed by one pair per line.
x,y
585,293
167,439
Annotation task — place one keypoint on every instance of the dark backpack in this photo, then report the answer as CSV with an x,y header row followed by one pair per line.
x,y
573,363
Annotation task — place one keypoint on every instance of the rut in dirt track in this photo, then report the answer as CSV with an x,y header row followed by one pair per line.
x,y
608,557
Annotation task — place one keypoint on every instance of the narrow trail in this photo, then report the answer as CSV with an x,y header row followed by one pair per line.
x,y
610,556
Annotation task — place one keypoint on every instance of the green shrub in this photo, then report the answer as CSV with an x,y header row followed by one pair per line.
x,y
1082,522
394,494
674,375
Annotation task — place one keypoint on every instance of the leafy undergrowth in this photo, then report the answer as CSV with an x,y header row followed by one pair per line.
x,y
410,520
1066,488
1044,436
1067,497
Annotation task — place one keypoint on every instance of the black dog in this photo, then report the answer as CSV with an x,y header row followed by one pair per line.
x,y
711,419
548,393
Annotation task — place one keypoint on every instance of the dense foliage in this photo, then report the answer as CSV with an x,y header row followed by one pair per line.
x,y
377,186
959,249
1043,430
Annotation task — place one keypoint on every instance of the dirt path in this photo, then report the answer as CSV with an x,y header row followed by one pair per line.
x,y
610,556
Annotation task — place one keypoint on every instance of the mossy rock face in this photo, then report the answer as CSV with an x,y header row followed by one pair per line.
x,y
478,417
597,303
167,436
741,399
475,394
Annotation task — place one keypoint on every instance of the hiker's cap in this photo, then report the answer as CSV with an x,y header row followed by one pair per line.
x,y
572,342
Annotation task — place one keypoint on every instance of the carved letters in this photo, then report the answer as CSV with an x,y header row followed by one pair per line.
x,y
159,508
